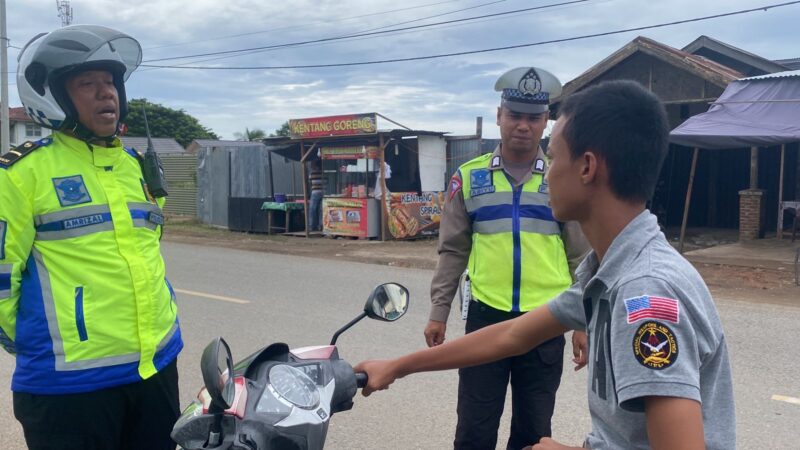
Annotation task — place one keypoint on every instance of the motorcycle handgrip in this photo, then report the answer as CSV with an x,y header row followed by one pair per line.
x,y
361,379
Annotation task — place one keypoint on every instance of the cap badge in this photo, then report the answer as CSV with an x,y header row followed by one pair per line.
x,y
530,83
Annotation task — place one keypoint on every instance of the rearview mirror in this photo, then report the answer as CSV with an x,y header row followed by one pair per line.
x,y
388,302
216,365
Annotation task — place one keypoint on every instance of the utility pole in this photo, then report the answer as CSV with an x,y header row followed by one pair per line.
x,y
64,12
4,128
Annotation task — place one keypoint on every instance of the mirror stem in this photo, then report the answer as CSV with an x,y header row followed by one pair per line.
x,y
346,327
215,432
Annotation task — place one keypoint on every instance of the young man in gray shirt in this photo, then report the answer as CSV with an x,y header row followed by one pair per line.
x,y
659,373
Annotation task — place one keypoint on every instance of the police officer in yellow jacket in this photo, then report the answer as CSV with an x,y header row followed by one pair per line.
x,y
497,223
84,301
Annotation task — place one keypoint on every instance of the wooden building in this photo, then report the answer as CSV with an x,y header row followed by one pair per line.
x,y
687,81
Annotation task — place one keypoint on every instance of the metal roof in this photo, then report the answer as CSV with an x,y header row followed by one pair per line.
x,y
160,145
786,74
18,115
736,53
290,148
792,63
224,143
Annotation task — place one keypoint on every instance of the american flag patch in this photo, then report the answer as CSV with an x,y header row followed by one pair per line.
x,y
649,307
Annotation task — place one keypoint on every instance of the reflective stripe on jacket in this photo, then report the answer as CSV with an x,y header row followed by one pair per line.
x,y
87,305
518,261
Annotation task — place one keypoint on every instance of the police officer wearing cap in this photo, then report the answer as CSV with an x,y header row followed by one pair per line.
x,y
497,224
84,302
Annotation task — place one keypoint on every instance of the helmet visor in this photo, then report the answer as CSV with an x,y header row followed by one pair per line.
x,y
71,47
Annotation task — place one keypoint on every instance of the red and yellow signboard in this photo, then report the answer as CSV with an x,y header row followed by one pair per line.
x,y
345,216
354,152
315,127
412,215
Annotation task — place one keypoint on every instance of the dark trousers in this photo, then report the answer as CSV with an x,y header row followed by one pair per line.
x,y
314,212
130,417
534,376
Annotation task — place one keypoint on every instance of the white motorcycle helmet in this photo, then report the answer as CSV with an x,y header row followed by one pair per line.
x,y
49,59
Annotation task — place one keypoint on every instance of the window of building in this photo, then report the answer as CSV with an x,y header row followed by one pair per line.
x,y
33,130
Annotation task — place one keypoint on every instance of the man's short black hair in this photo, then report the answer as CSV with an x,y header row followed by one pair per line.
x,y
627,127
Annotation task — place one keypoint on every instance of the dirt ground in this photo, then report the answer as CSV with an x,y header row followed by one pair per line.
x,y
766,285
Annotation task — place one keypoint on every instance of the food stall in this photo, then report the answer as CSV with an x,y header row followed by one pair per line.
x,y
385,184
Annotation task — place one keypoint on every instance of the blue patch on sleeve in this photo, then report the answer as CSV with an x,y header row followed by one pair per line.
x,y
71,190
5,281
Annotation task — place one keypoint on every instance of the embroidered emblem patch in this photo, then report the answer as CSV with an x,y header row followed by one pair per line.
x,y
71,190
655,346
538,165
496,161
480,182
3,226
543,189
650,307
455,186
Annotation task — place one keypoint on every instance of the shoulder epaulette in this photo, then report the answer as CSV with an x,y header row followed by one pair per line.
x,y
135,153
22,151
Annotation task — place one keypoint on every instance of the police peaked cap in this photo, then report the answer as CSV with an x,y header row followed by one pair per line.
x,y
527,89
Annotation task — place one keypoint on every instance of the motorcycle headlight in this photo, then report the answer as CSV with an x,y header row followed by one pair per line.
x,y
294,386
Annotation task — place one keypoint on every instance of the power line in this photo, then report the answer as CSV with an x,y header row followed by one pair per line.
x,y
348,39
495,49
429,17
226,52
312,23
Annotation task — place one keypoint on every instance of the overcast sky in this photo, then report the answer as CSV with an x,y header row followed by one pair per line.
x,y
444,94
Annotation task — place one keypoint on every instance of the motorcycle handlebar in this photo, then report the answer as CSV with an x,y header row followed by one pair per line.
x,y
361,379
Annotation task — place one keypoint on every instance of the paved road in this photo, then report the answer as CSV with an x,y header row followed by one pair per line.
x,y
255,298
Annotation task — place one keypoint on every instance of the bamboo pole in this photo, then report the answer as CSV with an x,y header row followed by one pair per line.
x,y
688,199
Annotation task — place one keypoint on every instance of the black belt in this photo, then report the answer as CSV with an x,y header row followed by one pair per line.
x,y
482,311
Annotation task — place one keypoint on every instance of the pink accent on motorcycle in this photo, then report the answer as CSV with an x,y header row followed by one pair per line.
x,y
239,400
316,352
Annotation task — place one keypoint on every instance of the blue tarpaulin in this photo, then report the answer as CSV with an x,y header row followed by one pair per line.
x,y
752,112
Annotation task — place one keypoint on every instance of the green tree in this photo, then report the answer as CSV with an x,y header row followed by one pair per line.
x,y
282,131
165,122
256,134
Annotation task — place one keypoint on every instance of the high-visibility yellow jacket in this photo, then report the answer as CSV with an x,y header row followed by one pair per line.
x,y
517,261
84,301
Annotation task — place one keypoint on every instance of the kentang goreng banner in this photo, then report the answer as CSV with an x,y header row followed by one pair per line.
x,y
316,127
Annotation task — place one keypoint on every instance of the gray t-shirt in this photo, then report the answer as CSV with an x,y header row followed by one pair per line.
x,y
653,331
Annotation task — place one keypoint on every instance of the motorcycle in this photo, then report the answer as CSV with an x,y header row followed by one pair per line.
x,y
278,398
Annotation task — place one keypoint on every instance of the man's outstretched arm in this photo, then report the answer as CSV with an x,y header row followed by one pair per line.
x,y
509,338
674,422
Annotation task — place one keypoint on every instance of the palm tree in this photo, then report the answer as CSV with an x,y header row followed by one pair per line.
x,y
256,134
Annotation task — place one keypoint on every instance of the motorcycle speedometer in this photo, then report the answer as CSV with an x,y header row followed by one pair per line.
x,y
294,386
